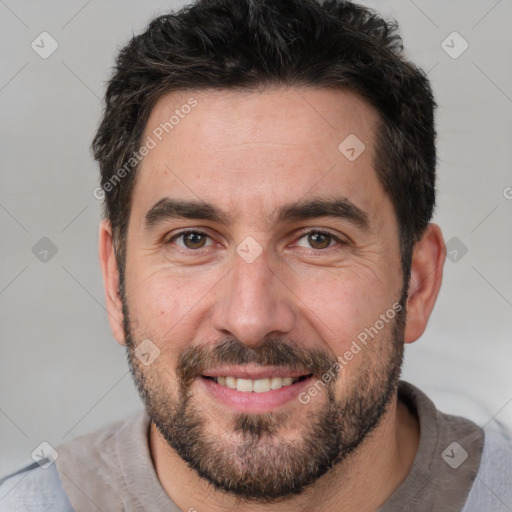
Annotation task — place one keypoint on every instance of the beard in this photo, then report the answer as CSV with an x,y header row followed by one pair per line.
x,y
251,461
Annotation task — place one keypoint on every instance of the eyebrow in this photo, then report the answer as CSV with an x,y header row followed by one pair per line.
x,y
340,208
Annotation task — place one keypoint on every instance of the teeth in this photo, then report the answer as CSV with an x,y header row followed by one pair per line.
x,y
231,382
244,384
276,383
258,385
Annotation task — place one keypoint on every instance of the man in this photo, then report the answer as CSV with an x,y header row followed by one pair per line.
x,y
268,170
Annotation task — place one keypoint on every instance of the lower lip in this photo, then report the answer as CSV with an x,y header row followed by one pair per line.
x,y
242,401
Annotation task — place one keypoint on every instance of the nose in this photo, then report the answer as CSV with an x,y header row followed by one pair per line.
x,y
254,302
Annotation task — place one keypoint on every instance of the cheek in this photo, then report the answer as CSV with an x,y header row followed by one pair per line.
x,y
165,307
341,306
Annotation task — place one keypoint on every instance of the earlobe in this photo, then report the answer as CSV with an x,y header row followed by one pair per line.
x,y
425,281
110,273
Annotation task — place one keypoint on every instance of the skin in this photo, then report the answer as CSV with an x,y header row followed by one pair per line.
x,y
248,154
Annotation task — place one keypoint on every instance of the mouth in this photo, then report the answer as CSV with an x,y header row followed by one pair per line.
x,y
255,385
254,389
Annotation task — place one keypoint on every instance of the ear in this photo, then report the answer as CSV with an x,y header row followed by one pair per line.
x,y
111,281
428,259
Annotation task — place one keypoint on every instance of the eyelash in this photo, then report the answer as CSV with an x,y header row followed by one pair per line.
x,y
303,234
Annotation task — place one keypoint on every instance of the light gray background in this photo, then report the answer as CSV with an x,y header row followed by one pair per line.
x,y
61,372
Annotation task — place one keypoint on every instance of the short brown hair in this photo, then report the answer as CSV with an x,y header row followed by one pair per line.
x,y
247,44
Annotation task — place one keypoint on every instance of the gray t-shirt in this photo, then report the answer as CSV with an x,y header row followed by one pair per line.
x,y
456,468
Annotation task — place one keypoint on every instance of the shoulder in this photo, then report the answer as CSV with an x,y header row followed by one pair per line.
x,y
98,451
33,488
94,466
91,459
492,488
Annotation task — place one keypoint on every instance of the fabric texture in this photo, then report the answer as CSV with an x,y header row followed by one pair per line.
x,y
492,489
33,489
446,463
456,468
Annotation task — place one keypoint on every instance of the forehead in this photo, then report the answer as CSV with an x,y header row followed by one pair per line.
x,y
249,152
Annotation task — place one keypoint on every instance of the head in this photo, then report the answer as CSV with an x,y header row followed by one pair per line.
x,y
268,172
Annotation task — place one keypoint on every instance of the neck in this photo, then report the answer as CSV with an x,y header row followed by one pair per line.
x,y
363,482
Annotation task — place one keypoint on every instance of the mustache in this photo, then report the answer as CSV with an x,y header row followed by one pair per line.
x,y
194,360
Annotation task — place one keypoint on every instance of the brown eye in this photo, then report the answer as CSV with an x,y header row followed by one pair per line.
x,y
191,239
319,240
194,240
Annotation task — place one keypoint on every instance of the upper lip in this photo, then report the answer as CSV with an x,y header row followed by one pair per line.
x,y
254,372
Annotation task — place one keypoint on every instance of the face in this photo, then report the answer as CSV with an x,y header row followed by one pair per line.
x,y
263,266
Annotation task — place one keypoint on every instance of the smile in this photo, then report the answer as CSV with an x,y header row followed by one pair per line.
x,y
254,389
256,385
